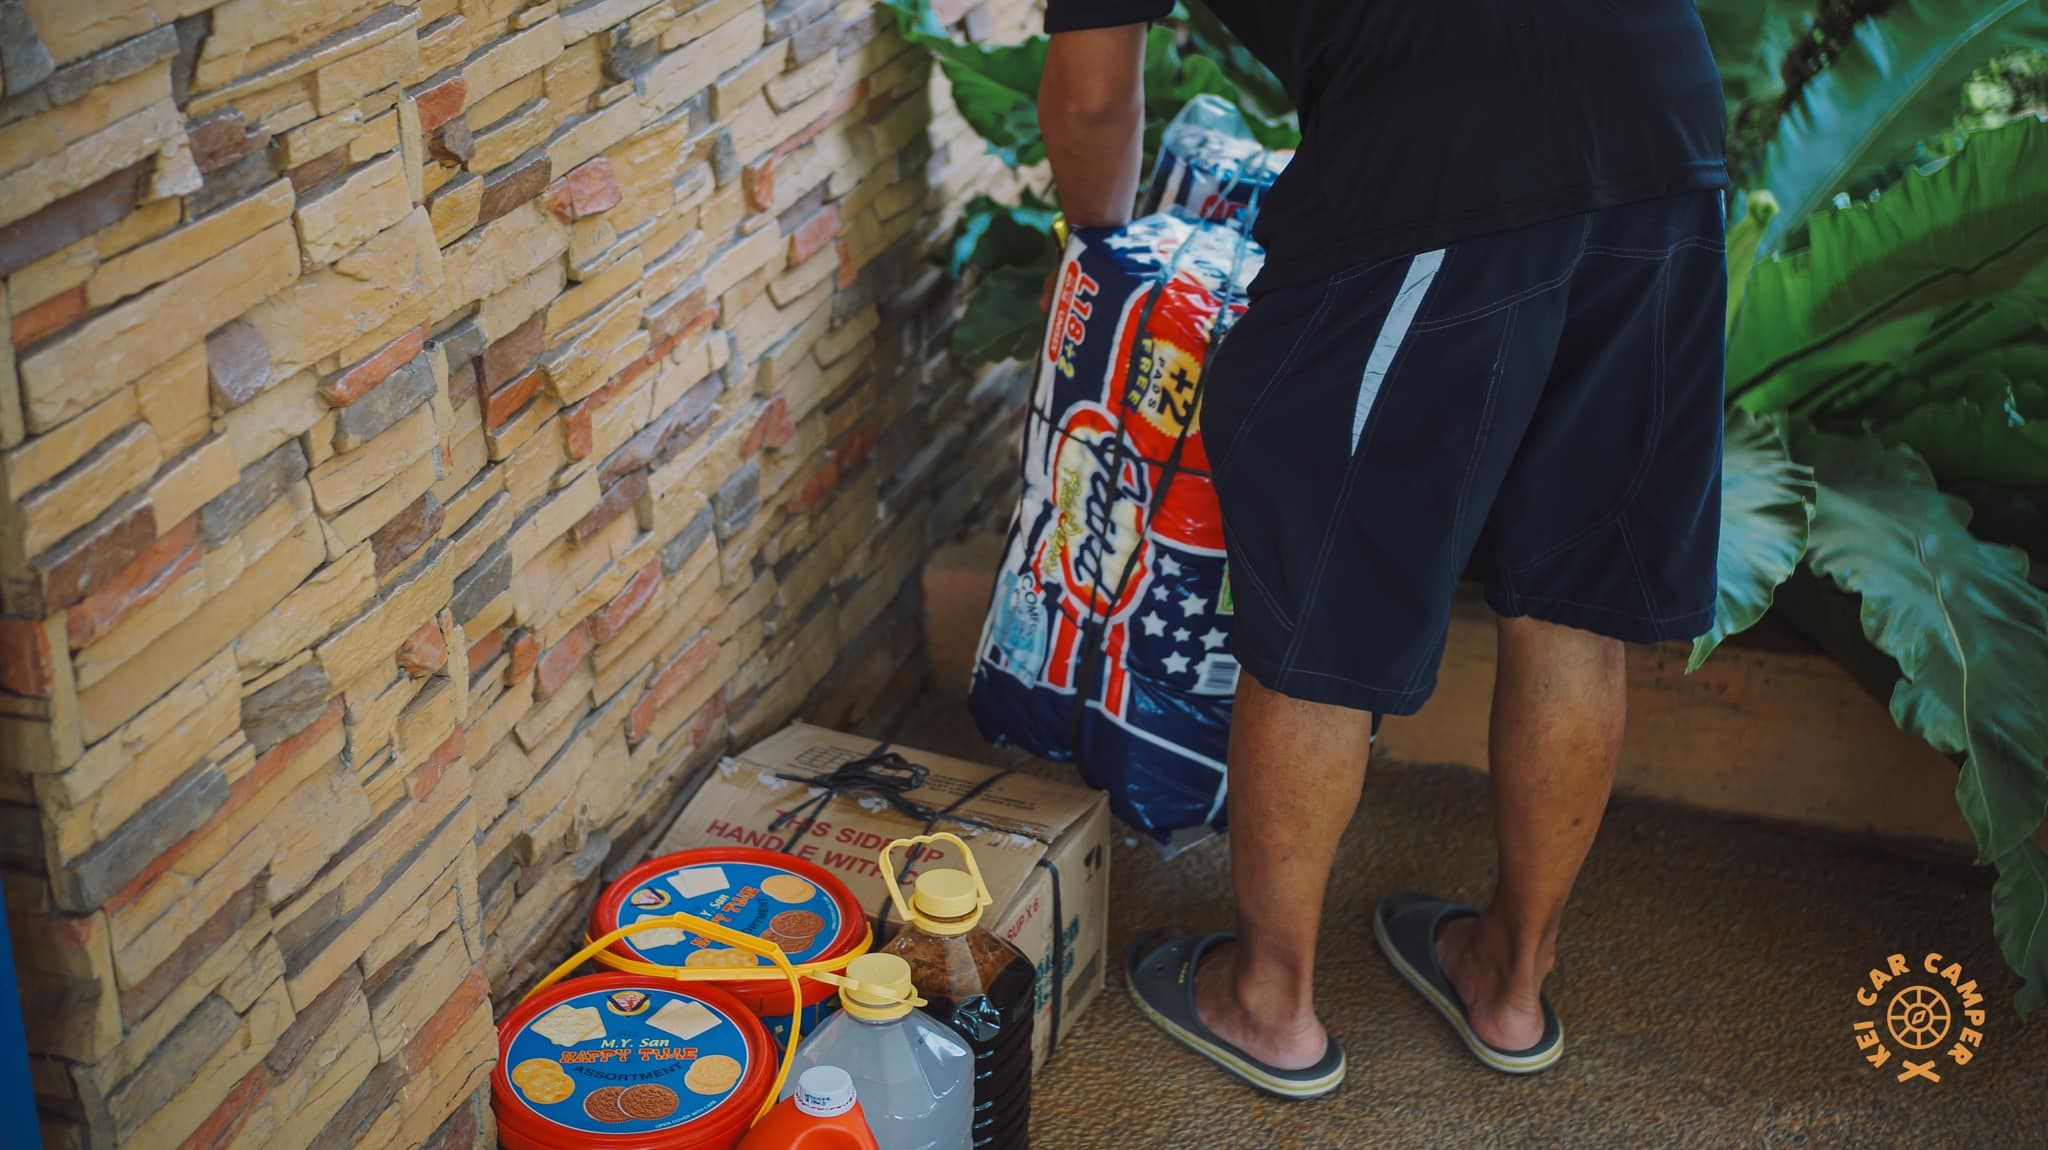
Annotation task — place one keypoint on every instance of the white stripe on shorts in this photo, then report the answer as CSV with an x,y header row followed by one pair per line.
x,y
1421,272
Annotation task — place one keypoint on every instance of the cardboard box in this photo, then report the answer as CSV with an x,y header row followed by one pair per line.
x,y
1039,843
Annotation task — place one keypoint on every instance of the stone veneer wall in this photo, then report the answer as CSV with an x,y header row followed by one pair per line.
x,y
431,432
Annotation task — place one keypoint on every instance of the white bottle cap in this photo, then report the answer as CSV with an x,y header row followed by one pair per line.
x,y
824,1092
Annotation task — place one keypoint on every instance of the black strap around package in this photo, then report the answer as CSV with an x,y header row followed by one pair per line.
x,y
891,777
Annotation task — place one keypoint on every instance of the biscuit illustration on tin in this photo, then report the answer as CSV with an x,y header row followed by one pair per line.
x,y
787,888
603,1104
797,924
548,1090
712,1074
647,1101
534,1070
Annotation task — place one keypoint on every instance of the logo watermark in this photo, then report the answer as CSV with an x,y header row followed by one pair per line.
x,y
1927,1016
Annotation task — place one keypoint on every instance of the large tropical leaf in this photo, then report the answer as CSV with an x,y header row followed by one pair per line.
x,y
1766,512
1749,39
1997,434
1742,239
994,234
995,88
1970,636
2019,920
1898,79
1904,277
1969,632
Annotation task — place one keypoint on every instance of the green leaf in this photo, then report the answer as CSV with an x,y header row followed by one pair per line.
x,y
2019,920
1968,631
1766,512
1742,240
1749,38
1897,80
995,88
1906,277
1002,320
994,234
1965,439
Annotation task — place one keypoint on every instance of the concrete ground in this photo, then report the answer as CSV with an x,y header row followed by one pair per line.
x,y
1706,980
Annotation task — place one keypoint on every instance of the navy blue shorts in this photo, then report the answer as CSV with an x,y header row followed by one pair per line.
x,y
1547,400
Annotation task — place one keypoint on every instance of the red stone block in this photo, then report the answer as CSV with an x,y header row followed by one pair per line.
x,y
617,500
506,402
525,653
427,775
24,657
607,621
577,420
142,580
88,558
352,384
474,993
671,680
222,139
424,651
514,352
849,271
588,189
814,234
485,651
758,180
441,101
228,1118
49,317
771,429
816,487
554,668
847,101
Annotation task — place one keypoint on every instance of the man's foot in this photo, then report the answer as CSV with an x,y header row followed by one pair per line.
x,y
1259,1016
1501,993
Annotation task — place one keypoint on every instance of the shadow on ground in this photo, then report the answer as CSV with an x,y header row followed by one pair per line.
x,y
1706,979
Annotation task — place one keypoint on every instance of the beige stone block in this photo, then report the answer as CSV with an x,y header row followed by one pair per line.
x,y
190,480
511,57
333,595
94,359
378,66
505,311
189,246
599,350
316,138
136,136
362,518
764,249
481,115
455,207
501,253
222,81
323,312
425,723
325,810
320,1083
380,136
585,298
285,411
39,460
401,1006
209,1083
370,200
119,774
372,638
586,138
552,519
248,951
352,475
53,275
116,466
745,80
240,25
142,627
173,399
514,136
63,964
49,132
455,1072
374,704
701,52
576,75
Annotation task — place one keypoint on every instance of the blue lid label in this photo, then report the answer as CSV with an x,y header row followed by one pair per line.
x,y
758,898
628,1061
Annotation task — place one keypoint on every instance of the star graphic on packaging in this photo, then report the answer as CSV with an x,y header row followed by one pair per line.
x,y
1182,634
1192,604
1213,639
1159,593
1176,664
1154,625
1167,565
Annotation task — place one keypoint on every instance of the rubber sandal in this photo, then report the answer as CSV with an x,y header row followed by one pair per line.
x,y
1161,979
1405,926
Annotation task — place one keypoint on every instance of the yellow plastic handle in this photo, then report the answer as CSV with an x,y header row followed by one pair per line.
x,y
812,970
718,932
981,895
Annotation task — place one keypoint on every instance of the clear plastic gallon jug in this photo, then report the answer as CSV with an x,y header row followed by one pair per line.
x,y
823,1114
914,1076
975,982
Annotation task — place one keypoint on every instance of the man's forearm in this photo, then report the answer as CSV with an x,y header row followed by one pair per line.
x,y
1091,110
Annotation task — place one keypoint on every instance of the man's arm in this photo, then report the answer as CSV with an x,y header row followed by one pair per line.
x,y
1091,110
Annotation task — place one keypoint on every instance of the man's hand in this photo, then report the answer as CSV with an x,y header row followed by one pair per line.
x,y
1091,111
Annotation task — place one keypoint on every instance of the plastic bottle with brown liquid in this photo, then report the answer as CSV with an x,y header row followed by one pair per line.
x,y
978,984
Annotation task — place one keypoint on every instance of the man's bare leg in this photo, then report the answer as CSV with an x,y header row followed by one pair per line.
x,y
1296,769
1559,700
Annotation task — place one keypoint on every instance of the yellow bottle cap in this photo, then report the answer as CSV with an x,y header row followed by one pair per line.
x,y
945,902
878,988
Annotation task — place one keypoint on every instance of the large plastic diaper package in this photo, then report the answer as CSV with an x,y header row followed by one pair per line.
x,y
1107,641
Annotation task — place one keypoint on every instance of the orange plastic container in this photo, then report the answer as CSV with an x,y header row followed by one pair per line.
x,y
794,903
823,1114
626,1062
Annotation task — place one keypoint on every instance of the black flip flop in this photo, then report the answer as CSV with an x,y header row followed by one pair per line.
x,y
1405,926
1161,978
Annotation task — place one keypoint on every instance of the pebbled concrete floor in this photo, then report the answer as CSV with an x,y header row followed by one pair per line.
x,y
1706,979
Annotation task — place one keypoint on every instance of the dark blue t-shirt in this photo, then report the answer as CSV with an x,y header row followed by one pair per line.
x,y
1426,122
